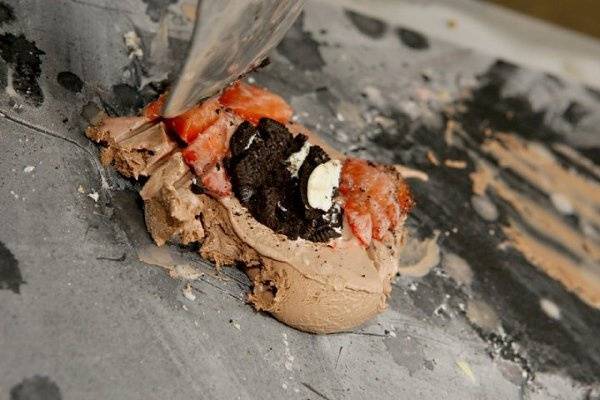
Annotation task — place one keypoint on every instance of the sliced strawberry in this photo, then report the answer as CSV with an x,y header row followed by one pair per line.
x,y
253,103
216,182
194,121
380,221
212,145
393,213
152,110
360,223
372,191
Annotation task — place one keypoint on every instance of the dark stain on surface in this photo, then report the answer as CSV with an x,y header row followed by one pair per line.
x,y
36,388
10,274
570,345
7,14
156,8
593,153
3,75
408,352
300,48
372,27
116,259
413,39
25,59
125,100
489,108
575,112
91,113
70,81
504,278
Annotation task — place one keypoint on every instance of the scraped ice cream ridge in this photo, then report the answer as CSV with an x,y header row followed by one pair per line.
x,y
318,235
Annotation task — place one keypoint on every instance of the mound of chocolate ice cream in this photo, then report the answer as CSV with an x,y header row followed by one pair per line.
x,y
273,189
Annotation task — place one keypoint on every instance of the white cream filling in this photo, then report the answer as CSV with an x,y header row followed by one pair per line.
x,y
296,159
322,183
250,141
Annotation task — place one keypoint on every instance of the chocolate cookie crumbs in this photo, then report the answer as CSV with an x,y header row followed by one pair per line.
x,y
242,138
262,182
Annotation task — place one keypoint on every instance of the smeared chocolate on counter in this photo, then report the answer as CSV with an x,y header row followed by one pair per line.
x,y
70,81
36,388
25,59
263,184
125,100
413,39
372,27
10,274
7,14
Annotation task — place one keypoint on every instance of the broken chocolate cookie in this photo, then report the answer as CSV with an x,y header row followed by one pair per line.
x,y
270,170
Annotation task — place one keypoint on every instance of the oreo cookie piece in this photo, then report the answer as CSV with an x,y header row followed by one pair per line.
x,y
321,234
266,207
297,143
264,185
316,156
242,138
272,130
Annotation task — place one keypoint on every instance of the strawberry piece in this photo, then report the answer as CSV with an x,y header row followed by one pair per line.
x,y
216,182
211,146
379,218
374,199
152,110
360,223
194,121
253,103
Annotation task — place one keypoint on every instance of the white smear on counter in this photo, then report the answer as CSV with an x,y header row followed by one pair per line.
x,y
94,196
188,292
550,308
133,44
458,269
562,203
484,207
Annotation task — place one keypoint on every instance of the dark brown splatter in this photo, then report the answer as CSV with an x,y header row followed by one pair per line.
x,y
125,100
70,81
7,14
372,27
10,274
25,59
413,39
36,388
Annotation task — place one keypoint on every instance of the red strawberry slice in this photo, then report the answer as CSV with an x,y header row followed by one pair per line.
x,y
212,145
194,121
360,222
253,103
216,182
152,110
374,199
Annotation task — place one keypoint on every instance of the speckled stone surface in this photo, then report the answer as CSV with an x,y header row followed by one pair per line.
x,y
82,317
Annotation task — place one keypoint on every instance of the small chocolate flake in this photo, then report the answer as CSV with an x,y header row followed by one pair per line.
x,y
196,189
